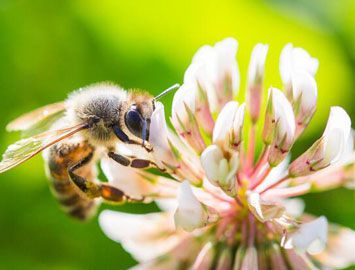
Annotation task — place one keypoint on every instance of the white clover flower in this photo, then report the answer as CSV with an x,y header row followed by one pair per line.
x,y
221,209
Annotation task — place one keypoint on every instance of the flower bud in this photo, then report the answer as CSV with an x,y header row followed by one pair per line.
x,y
255,80
227,81
304,99
227,132
328,149
183,118
195,78
190,214
216,70
269,122
295,59
279,127
311,236
184,96
219,170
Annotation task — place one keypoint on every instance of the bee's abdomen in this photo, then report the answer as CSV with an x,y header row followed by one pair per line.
x,y
59,158
71,200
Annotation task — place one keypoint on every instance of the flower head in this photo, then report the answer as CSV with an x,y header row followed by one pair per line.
x,y
223,206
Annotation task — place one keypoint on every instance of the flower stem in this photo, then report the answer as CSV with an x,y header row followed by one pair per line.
x,y
262,160
261,178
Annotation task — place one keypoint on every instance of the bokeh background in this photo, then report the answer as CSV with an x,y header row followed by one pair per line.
x,y
49,48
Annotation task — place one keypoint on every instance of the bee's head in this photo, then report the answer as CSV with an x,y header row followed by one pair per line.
x,y
137,117
138,113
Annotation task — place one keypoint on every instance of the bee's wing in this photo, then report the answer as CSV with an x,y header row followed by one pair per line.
x,y
43,125
32,120
27,148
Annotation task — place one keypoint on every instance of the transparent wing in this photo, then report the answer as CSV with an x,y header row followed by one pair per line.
x,y
32,120
43,125
25,149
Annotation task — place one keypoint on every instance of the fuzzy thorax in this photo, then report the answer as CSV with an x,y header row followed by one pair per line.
x,y
100,106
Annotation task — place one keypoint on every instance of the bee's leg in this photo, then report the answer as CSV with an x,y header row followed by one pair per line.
x,y
133,161
96,190
124,138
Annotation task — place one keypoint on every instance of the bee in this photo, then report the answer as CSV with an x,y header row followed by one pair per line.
x,y
75,134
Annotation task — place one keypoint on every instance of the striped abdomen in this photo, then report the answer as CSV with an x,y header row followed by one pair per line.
x,y
58,159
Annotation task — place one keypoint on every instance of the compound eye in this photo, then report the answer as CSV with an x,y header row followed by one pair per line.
x,y
134,122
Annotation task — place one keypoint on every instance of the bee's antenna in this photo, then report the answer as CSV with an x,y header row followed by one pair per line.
x,y
171,88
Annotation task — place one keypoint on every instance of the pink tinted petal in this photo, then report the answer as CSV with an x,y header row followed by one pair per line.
x,y
214,197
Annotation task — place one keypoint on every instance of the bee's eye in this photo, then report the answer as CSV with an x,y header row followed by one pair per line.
x,y
134,122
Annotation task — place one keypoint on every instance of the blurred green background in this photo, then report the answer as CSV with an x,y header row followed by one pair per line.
x,y
49,48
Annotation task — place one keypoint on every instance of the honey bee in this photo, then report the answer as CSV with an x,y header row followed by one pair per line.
x,y
76,133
